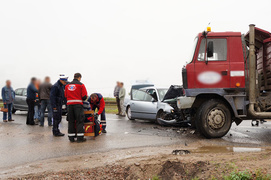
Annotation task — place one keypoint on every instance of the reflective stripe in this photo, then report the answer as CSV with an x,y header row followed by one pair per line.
x,y
71,134
237,73
74,101
80,134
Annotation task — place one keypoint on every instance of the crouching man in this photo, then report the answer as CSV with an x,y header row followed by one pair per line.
x,y
96,101
76,93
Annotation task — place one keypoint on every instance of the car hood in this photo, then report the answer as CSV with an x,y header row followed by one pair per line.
x,y
173,92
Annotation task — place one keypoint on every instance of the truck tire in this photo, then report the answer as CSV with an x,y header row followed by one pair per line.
x,y
129,114
213,119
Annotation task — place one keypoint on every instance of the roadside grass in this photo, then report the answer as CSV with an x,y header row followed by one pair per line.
x,y
242,175
247,175
111,109
156,178
109,99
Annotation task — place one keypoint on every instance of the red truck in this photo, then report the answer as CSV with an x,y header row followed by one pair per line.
x,y
228,80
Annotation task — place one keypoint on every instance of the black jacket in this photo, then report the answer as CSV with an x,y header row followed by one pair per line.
x,y
57,95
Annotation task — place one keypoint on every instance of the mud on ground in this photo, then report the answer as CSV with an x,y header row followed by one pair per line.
x,y
147,163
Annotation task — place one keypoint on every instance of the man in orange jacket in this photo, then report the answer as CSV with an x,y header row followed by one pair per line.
x,y
96,101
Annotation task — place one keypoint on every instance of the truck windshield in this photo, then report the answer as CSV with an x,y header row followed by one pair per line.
x,y
193,50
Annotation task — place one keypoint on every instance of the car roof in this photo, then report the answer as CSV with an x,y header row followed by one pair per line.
x,y
153,87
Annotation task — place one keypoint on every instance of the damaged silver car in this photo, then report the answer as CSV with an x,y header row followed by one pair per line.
x,y
157,104
146,103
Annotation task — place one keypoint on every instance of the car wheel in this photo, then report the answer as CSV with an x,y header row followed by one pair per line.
x,y
162,115
129,114
13,110
213,119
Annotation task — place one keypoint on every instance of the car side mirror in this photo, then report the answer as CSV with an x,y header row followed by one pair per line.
x,y
210,49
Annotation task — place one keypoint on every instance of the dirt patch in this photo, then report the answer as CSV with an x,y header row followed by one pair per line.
x,y
178,170
147,163
169,170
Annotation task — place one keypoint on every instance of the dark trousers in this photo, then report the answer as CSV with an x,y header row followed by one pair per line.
x,y
9,107
30,112
76,120
57,117
103,118
118,104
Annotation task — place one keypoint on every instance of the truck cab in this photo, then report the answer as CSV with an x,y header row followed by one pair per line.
x,y
217,62
214,83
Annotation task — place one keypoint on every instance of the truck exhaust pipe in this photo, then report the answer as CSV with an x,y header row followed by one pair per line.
x,y
252,77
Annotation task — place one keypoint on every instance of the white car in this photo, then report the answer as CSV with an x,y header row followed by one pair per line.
x,y
146,103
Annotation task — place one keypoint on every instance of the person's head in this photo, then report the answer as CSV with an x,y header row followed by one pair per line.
x,y
33,80
121,84
77,76
63,79
118,83
47,79
37,82
93,97
8,83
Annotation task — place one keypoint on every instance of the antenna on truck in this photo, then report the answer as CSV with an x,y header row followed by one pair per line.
x,y
208,28
204,33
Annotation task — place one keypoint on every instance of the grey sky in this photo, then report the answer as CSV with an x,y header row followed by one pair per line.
x,y
112,40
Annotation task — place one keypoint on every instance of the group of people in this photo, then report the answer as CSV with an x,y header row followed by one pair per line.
x,y
119,94
52,97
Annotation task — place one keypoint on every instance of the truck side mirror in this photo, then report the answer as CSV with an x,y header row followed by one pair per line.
x,y
210,49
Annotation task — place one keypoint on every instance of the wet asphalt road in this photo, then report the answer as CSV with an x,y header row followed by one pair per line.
x,y
20,144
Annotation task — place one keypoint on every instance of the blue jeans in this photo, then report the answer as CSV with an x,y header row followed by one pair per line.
x,y
37,112
9,106
45,103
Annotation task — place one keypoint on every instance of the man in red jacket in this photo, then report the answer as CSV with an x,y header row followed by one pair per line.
x,y
76,93
96,101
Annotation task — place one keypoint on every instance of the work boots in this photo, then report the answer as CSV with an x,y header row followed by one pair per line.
x,y
71,139
81,139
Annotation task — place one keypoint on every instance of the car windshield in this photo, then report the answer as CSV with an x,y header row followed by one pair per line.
x,y
193,50
162,93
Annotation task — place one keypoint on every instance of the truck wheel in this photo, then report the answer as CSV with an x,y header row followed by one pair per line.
x,y
13,110
129,114
213,119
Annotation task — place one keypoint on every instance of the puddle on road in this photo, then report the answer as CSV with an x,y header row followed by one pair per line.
x,y
221,149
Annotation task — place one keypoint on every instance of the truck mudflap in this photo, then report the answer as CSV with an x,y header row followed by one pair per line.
x,y
174,122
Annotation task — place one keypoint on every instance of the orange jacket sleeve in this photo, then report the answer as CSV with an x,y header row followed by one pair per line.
x,y
102,106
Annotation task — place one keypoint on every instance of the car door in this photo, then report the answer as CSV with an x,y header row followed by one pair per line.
x,y
143,106
18,99
24,103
